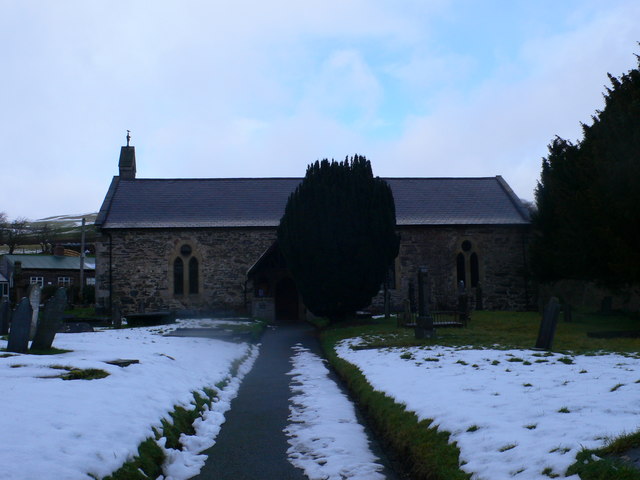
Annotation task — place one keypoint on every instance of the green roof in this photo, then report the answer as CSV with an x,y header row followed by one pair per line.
x,y
51,262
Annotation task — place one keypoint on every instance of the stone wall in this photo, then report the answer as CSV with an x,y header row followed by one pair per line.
x,y
502,273
142,267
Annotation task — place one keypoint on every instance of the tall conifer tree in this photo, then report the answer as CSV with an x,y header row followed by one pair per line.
x,y
338,236
588,197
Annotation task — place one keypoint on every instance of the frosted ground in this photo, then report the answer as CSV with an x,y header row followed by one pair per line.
x,y
513,413
82,429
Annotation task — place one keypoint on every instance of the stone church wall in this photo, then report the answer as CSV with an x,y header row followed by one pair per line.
x,y
142,267
500,250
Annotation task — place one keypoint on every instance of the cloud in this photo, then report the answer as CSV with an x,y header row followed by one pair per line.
x,y
252,88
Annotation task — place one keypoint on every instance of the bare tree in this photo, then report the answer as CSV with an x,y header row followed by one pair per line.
x,y
16,232
45,235
3,226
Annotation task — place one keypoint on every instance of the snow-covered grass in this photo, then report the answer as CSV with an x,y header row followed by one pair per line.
x,y
513,413
327,442
73,429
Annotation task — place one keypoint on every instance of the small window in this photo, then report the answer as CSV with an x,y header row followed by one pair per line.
x,y
90,281
64,281
36,281
178,276
4,289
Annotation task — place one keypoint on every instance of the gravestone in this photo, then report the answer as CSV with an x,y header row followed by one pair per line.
x,y
548,325
116,316
424,322
50,322
34,294
20,326
463,302
5,317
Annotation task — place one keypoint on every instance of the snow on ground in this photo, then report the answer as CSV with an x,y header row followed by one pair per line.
x,y
186,463
513,413
60,429
327,442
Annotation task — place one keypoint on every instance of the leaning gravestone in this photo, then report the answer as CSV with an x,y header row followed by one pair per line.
x,y
20,326
50,322
34,294
5,317
548,325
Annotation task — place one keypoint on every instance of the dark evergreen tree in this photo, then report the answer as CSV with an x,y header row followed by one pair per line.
x,y
588,217
338,236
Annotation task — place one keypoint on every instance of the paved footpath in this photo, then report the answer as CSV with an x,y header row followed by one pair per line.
x,y
251,444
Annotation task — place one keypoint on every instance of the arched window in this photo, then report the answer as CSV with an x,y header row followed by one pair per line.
x,y
467,265
193,275
178,276
186,271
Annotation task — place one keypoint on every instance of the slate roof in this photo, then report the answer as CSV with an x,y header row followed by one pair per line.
x,y
260,202
51,262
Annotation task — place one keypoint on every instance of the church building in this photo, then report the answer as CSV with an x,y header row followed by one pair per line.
x,y
209,245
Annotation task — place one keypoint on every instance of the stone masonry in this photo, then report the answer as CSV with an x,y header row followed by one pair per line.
x,y
142,267
501,253
142,271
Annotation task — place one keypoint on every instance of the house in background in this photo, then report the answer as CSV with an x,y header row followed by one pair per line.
x,y
44,270
210,244
4,287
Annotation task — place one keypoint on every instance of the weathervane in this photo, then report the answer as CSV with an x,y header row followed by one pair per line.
x,y
128,137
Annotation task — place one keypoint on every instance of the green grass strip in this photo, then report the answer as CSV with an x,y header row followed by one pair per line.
x,y
604,463
148,463
425,451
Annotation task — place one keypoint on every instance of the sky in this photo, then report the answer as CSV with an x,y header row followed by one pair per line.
x,y
422,88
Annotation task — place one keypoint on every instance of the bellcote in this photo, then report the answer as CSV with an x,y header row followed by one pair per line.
x,y
127,162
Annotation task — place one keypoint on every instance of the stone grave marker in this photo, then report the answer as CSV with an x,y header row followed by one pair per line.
x,y
51,321
548,325
424,322
34,294
20,326
116,316
5,317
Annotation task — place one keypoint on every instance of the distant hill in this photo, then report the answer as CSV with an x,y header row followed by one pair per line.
x,y
66,224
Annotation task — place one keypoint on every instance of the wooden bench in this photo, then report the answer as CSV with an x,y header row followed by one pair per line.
x,y
449,318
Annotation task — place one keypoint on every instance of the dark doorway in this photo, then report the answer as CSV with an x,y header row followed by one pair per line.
x,y
286,300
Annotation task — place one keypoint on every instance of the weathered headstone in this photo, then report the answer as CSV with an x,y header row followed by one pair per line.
x,y
34,294
20,326
5,317
424,322
50,322
548,325
116,316
463,303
